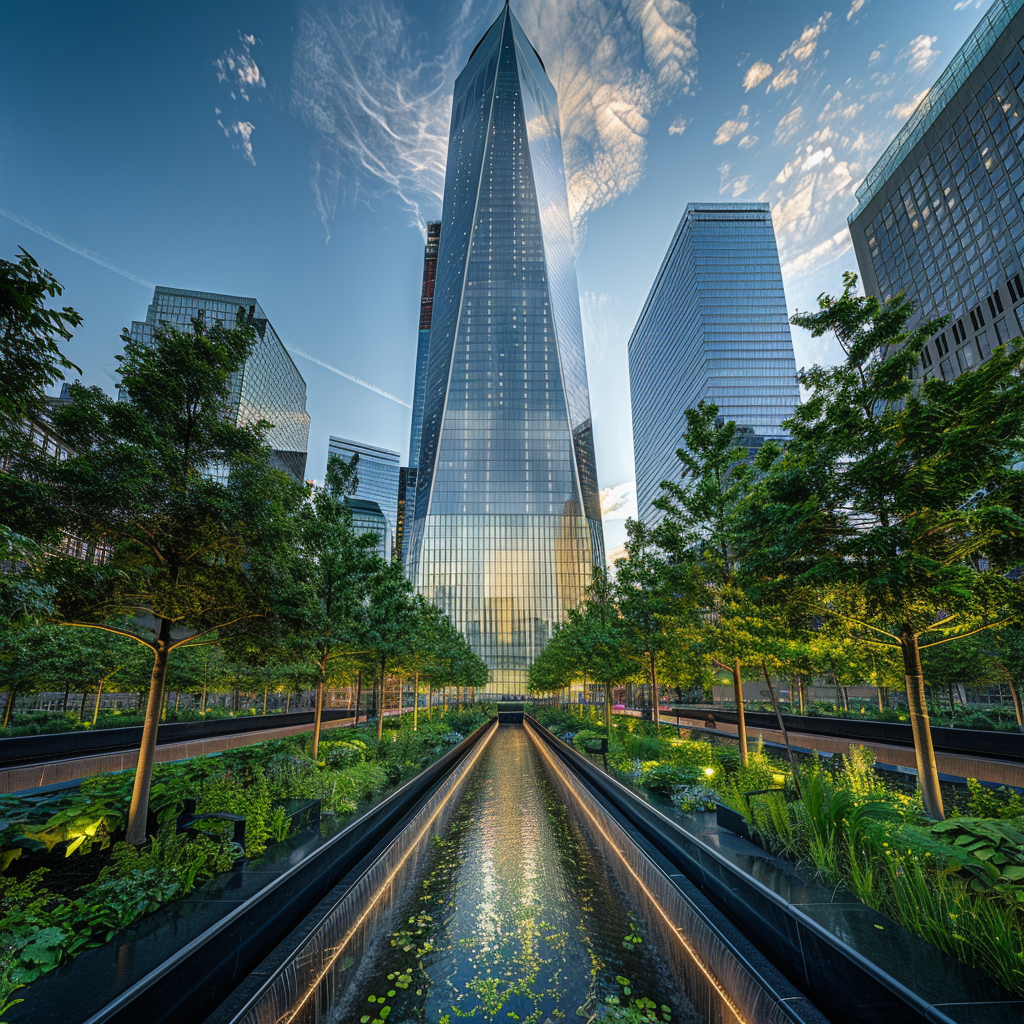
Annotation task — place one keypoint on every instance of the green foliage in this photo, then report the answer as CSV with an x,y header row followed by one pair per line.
x,y
30,337
991,850
1002,802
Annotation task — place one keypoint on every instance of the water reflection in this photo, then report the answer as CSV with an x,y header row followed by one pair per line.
x,y
516,918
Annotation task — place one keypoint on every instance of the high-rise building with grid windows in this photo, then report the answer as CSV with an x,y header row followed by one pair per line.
x,y
268,387
507,525
941,215
714,328
377,472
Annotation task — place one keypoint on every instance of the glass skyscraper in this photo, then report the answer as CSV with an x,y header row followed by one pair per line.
x,y
377,471
268,387
507,524
714,328
940,215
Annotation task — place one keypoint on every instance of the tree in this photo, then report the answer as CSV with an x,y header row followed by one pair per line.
x,y
30,338
896,505
322,610
388,621
590,642
647,599
195,558
697,537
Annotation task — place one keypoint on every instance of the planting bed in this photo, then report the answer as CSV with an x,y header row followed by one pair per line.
x,y
958,884
100,885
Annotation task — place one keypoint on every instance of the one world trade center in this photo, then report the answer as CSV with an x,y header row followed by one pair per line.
x,y
507,523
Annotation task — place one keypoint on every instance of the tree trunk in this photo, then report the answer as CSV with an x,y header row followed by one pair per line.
x,y
137,814
782,727
318,712
202,703
177,701
1015,693
265,690
67,690
655,702
927,770
99,693
608,706
380,708
415,701
81,707
10,706
800,692
359,692
741,716
878,693
430,702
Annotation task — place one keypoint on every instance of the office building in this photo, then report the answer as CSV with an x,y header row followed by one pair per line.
x,y
507,522
377,471
423,338
714,328
939,217
406,498
268,387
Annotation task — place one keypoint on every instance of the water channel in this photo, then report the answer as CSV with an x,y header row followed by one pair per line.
x,y
514,916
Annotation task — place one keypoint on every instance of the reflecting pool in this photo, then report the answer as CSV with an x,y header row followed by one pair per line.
x,y
514,917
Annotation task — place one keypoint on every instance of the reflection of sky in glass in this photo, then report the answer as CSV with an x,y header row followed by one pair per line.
x,y
507,480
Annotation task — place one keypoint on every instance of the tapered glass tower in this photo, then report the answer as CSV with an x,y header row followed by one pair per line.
x,y
507,524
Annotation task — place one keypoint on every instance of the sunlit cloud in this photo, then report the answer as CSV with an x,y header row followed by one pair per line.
x,y
920,52
789,124
903,110
678,126
619,501
240,76
756,74
784,79
855,8
728,130
805,44
379,98
819,255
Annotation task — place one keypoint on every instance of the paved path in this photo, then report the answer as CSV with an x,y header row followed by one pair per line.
x,y
46,773
963,766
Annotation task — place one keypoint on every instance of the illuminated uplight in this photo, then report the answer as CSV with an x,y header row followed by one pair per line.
x,y
709,772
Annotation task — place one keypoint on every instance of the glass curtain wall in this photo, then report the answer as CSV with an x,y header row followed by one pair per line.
x,y
507,527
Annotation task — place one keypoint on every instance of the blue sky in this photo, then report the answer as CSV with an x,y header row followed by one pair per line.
x,y
292,151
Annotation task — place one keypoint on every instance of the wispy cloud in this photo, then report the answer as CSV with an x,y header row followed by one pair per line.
x,y
855,9
678,126
348,376
784,79
379,98
88,254
239,74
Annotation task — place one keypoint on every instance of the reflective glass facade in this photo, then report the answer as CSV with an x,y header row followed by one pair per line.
x,y
507,520
367,517
714,328
940,216
377,470
423,339
268,387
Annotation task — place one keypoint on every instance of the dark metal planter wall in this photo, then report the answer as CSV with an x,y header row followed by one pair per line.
x,y
51,746
1008,746
834,975
182,962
